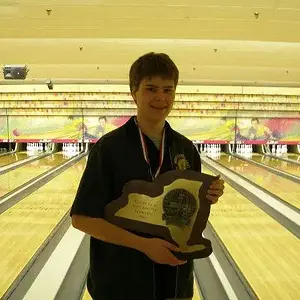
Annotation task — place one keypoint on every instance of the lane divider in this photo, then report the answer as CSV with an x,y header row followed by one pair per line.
x,y
275,171
46,284
282,213
17,164
9,200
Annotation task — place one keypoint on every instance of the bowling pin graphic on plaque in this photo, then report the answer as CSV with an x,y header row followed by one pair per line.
x,y
172,207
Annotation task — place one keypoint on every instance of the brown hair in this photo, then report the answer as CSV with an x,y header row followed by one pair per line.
x,y
149,65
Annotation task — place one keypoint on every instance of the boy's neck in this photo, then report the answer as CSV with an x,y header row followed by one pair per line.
x,y
151,129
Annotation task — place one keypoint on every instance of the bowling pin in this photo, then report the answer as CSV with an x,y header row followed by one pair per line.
x,y
273,149
242,149
278,150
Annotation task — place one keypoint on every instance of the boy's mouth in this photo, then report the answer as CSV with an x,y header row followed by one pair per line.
x,y
158,108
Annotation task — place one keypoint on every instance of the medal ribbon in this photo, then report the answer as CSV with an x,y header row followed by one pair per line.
x,y
146,156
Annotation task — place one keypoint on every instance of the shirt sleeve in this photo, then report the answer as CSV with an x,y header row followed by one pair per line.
x,y
95,188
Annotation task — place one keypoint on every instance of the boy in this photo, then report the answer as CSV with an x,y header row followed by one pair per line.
x,y
125,265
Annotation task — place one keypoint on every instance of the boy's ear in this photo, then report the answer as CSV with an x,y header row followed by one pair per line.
x,y
133,94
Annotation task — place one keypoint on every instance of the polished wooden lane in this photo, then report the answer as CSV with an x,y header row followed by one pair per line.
x,y
286,189
277,163
26,225
197,295
19,176
293,156
12,158
266,253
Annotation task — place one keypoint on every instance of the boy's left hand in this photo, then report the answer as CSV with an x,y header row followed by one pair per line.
x,y
215,190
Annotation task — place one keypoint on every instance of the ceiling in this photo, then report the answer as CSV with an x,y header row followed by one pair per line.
x,y
230,42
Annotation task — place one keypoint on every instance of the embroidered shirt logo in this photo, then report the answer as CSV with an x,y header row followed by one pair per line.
x,y
181,162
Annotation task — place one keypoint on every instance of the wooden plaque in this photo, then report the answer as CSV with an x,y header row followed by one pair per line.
x,y
172,207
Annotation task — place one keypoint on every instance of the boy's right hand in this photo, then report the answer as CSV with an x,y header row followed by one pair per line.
x,y
159,251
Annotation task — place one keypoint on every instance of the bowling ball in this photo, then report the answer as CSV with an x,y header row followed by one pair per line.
x,y
16,132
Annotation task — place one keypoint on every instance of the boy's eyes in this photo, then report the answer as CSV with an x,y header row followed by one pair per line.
x,y
152,89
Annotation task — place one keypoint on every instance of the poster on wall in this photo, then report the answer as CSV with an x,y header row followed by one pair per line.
x,y
206,129
44,128
270,130
62,128
209,129
96,126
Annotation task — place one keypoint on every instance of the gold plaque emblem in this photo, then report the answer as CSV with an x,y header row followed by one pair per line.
x,y
181,162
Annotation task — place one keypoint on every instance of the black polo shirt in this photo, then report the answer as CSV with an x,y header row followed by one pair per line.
x,y
116,272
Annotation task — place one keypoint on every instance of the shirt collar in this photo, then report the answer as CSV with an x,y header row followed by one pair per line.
x,y
132,130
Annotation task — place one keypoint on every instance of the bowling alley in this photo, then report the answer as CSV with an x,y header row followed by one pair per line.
x,y
149,150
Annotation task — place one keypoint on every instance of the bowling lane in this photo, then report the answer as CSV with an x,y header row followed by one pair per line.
x,y
266,252
293,156
12,158
26,225
277,163
19,176
287,190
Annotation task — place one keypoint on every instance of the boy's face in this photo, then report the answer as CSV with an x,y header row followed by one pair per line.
x,y
155,98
